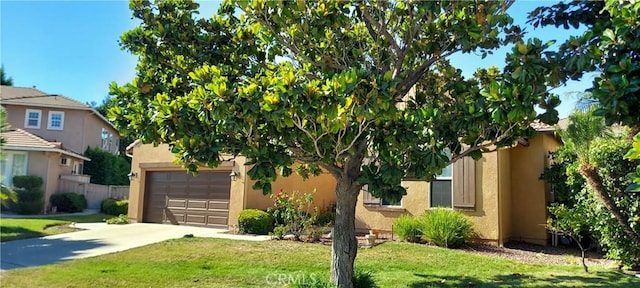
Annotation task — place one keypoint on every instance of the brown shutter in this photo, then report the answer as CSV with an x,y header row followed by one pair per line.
x,y
368,199
464,183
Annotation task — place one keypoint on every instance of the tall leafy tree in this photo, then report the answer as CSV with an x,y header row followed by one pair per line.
x,y
610,46
361,89
4,79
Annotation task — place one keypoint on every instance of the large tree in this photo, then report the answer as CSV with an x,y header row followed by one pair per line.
x,y
361,89
610,47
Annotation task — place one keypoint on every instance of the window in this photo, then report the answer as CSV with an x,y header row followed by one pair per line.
x,y
104,134
64,161
442,189
32,118
13,164
56,120
77,168
369,200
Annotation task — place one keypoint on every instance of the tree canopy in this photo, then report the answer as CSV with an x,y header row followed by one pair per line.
x,y
362,89
4,79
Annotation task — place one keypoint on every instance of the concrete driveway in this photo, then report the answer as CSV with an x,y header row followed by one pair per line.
x,y
98,239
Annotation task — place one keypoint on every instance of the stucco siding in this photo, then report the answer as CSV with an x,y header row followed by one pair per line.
x,y
324,185
529,193
484,216
81,128
93,126
504,176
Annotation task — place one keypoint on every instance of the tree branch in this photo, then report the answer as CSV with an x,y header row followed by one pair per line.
x,y
295,51
368,20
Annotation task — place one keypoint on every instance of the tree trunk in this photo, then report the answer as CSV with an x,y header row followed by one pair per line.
x,y
345,245
595,181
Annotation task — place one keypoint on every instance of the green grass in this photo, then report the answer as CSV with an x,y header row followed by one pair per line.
x,y
14,229
198,262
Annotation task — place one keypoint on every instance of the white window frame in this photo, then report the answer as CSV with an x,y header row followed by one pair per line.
x,y
8,159
104,136
26,118
50,120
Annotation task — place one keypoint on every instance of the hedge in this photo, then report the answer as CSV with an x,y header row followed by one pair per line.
x,y
114,206
254,221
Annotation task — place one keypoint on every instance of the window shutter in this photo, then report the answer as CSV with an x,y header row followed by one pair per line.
x,y
464,183
368,198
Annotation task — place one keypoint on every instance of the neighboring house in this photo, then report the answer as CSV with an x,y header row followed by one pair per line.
x,y
501,193
59,119
27,154
49,134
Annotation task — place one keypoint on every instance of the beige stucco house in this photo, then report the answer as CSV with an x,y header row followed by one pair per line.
x,y
501,193
48,135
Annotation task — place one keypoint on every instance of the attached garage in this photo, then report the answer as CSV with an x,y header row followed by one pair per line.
x,y
175,197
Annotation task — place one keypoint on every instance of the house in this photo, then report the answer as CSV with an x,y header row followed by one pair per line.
x,y
48,135
501,193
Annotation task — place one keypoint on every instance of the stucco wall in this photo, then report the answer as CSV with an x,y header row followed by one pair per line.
x,y
81,128
147,158
528,193
47,166
416,202
93,133
504,178
324,184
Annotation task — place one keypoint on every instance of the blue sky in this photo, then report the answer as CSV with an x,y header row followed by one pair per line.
x,y
71,47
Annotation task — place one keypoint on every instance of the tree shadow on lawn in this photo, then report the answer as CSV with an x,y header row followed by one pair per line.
x,y
43,251
593,279
17,232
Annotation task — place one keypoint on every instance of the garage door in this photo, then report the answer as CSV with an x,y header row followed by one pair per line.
x,y
176,197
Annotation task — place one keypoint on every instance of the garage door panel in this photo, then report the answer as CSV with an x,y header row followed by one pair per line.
x,y
177,203
188,200
218,205
197,204
217,220
196,219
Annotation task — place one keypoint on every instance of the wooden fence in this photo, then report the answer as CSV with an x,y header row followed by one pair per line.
x,y
94,193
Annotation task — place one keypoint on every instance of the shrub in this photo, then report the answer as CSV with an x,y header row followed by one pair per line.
x,y
120,219
29,194
327,217
407,228
112,206
294,210
254,221
363,279
446,228
279,232
106,168
68,202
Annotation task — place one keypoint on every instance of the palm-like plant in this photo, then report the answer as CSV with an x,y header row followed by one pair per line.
x,y
6,193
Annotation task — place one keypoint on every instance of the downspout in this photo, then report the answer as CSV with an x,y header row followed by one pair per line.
x,y
500,232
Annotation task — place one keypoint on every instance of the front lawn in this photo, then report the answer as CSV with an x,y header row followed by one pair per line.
x,y
14,228
199,262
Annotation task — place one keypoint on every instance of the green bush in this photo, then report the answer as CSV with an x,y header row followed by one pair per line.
x,y
27,182
407,228
279,232
112,206
106,168
120,219
68,202
254,221
446,228
29,194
